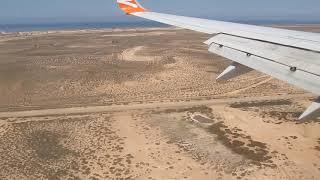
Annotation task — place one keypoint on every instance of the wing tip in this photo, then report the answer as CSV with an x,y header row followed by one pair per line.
x,y
130,6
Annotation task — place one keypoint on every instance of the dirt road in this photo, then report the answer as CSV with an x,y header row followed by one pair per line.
x,y
97,109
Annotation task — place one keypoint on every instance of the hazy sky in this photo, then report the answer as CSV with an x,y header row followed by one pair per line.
x,y
17,11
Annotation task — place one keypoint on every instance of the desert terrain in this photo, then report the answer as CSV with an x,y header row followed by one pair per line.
x,y
144,104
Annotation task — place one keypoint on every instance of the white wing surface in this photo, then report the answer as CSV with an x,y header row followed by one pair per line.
x,y
291,56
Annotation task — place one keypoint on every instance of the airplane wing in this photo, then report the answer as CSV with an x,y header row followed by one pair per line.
x,y
291,56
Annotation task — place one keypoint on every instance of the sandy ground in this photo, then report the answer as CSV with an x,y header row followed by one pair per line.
x,y
143,104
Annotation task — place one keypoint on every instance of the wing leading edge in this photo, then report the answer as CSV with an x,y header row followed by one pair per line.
x,y
291,56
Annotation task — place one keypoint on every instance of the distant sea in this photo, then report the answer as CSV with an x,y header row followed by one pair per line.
x,y
72,26
101,25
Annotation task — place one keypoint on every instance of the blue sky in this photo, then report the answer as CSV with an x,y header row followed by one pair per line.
x,y
30,11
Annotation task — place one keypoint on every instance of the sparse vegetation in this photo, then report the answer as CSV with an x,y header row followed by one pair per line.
x,y
241,144
40,70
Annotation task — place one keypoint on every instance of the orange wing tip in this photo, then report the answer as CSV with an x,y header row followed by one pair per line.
x,y
130,6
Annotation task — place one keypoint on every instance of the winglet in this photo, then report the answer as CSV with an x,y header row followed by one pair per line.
x,y
130,6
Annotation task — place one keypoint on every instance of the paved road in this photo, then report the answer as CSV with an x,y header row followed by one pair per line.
x,y
98,109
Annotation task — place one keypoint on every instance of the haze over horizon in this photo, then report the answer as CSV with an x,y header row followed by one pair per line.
x,y
44,11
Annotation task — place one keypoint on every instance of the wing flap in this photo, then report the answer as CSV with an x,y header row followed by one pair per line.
x,y
292,57
300,78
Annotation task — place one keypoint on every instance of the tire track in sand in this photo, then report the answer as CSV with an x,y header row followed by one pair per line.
x,y
130,55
